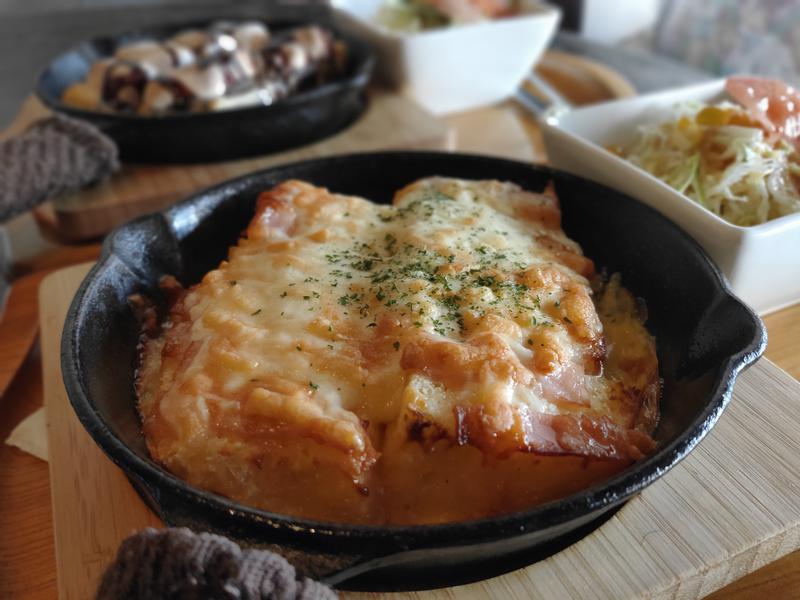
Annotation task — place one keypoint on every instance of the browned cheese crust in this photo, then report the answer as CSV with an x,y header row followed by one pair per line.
x,y
363,363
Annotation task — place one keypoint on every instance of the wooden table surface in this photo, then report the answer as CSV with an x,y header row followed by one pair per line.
x,y
27,563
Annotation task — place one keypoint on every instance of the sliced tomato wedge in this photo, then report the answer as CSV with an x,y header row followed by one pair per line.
x,y
473,10
774,104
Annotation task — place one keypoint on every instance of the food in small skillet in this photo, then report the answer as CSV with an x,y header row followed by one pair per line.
x,y
450,357
229,65
739,161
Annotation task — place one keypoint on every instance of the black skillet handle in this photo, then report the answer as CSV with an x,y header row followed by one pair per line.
x,y
744,337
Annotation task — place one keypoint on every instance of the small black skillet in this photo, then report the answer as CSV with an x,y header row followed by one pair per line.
x,y
299,119
705,337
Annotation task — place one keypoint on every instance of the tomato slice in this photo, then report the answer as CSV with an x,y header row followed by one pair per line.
x,y
774,104
473,10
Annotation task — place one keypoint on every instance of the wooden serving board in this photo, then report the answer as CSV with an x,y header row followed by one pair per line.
x,y
727,509
390,122
582,81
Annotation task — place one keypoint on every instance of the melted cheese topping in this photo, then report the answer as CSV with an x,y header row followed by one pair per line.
x,y
358,362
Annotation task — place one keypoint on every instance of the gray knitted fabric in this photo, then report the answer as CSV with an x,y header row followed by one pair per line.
x,y
177,564
54,156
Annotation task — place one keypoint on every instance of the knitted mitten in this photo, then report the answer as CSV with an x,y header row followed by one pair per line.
x,y
54,156
177,564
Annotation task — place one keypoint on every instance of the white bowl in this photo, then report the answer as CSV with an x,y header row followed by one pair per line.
x,y
762,262
458,67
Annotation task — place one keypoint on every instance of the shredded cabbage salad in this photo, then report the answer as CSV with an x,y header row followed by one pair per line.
x,y
723,160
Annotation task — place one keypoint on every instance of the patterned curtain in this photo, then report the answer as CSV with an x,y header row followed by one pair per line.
x,y
757,37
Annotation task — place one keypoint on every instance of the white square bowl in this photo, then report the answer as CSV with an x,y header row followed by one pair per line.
x,y
761,262
459,67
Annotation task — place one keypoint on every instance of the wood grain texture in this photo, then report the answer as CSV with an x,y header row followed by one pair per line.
x,y
94,505
27,556
783,329
582,81
500,128
19,324
726,510
19,321
56,258
779,580
390,122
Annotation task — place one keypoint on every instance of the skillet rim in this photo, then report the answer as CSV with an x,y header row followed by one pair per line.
x,y
582,504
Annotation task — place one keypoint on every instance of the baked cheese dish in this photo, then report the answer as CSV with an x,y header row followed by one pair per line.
x,y
449,357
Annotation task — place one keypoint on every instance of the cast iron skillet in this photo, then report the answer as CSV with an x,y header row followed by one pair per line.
x,y
221,135
705,336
